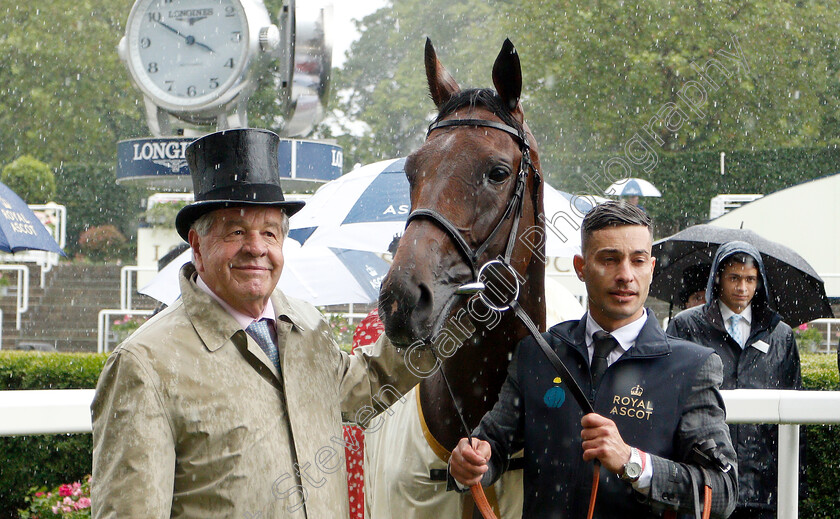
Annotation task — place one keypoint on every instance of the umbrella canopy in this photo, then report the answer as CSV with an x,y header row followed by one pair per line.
x,y
20,229
319,275
366,208
796,290
632,187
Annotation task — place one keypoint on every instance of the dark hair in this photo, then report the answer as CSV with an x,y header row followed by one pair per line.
x,y
613,213
738,257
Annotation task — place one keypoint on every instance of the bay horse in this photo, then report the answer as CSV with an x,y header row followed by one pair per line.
x,y
476,193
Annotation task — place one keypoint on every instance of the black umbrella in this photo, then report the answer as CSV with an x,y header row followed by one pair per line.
x,y
796,290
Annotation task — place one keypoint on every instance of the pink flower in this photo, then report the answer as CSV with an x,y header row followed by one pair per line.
x,y
64,490
55,510
39,494
77,489
84,502
803,327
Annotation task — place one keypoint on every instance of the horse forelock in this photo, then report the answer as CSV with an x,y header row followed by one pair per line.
x,y
485,97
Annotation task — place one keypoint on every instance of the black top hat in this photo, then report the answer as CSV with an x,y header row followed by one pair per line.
x,y
233,168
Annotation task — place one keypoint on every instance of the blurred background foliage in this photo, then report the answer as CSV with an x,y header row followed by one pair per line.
x,y
595,73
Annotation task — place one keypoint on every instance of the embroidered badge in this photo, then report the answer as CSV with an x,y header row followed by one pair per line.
x,y
556,395
633,406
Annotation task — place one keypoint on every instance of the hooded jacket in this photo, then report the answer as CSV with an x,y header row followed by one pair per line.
x,y
769,360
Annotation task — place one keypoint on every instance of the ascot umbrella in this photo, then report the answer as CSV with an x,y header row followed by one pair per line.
x,y
366,208
318,275
20,229
796,290
632,187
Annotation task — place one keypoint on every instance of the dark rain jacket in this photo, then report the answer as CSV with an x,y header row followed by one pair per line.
x,y
769,360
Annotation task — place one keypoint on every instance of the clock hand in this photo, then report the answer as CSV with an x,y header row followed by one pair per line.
x,y
189,39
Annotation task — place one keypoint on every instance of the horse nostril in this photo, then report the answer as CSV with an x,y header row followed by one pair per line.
x,y
423,307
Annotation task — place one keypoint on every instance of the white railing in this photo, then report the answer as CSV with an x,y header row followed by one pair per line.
x,y
829,323
48,411
127,283
68,411
789,409
22,296
104,325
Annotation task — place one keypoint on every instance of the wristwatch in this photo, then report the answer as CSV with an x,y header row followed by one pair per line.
x,y
633,468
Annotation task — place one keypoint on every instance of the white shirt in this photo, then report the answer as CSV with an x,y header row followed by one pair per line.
x,y
626,336
744,323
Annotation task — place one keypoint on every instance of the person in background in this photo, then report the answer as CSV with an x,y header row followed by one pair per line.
x,y
656,399
693,292
229,402
759,351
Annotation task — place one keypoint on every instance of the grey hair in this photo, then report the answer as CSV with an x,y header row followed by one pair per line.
x,y
204,223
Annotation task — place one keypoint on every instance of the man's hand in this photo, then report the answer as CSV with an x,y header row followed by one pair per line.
x,y
601,440
469,462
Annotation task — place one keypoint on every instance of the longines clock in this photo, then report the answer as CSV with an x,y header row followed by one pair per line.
x,y
195,60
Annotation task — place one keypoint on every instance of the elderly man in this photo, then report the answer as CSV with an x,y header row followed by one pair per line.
x,y
229,402
656,400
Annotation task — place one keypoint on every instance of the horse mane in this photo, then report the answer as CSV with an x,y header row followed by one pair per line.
x,y
486,97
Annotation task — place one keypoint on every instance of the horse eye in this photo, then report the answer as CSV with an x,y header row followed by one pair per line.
x,y
498,175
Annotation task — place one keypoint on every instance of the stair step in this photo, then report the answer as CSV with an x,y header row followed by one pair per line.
x,y
65,312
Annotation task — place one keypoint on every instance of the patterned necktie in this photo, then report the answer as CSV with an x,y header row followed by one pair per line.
x,y
735,329
260,332
604,343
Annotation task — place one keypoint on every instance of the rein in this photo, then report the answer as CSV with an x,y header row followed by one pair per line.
x,y
513,209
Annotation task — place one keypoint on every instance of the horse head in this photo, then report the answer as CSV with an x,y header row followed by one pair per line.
x,y
475,189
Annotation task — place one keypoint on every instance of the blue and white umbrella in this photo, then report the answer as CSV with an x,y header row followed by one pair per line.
x,y
632,187
319,275
366,208
20,229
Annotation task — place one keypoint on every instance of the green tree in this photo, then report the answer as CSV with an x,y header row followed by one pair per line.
x,y
596,73
64,94
382,85
30,179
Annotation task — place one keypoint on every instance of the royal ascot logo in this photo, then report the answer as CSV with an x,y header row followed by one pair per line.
x,y
633,405
556,395
5,204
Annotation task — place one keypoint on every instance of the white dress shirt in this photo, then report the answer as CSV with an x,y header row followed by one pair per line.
x,y
744,323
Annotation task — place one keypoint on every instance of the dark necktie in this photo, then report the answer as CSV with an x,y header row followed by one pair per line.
x,y
260,332
604,343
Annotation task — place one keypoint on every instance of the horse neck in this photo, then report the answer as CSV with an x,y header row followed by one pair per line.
x,y
478,368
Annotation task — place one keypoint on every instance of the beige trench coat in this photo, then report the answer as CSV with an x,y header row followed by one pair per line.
x,y
191,419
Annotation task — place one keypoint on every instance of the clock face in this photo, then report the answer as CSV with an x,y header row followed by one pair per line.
x,y
187,53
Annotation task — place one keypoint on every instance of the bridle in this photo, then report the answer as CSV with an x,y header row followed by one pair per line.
x,y
472,256
514,206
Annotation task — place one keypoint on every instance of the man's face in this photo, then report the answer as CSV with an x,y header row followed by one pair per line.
x,y
241,257
696,299
737,285
617,268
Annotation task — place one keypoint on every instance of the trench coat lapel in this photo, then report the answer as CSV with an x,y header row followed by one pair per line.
x,y
216,326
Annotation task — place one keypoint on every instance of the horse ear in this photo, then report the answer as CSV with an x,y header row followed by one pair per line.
x,y
442,85
507,75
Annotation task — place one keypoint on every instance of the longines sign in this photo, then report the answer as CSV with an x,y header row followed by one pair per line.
x,y
160,162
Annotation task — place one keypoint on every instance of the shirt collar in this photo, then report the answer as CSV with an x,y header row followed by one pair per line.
x,y
243,319
727,312
626,335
